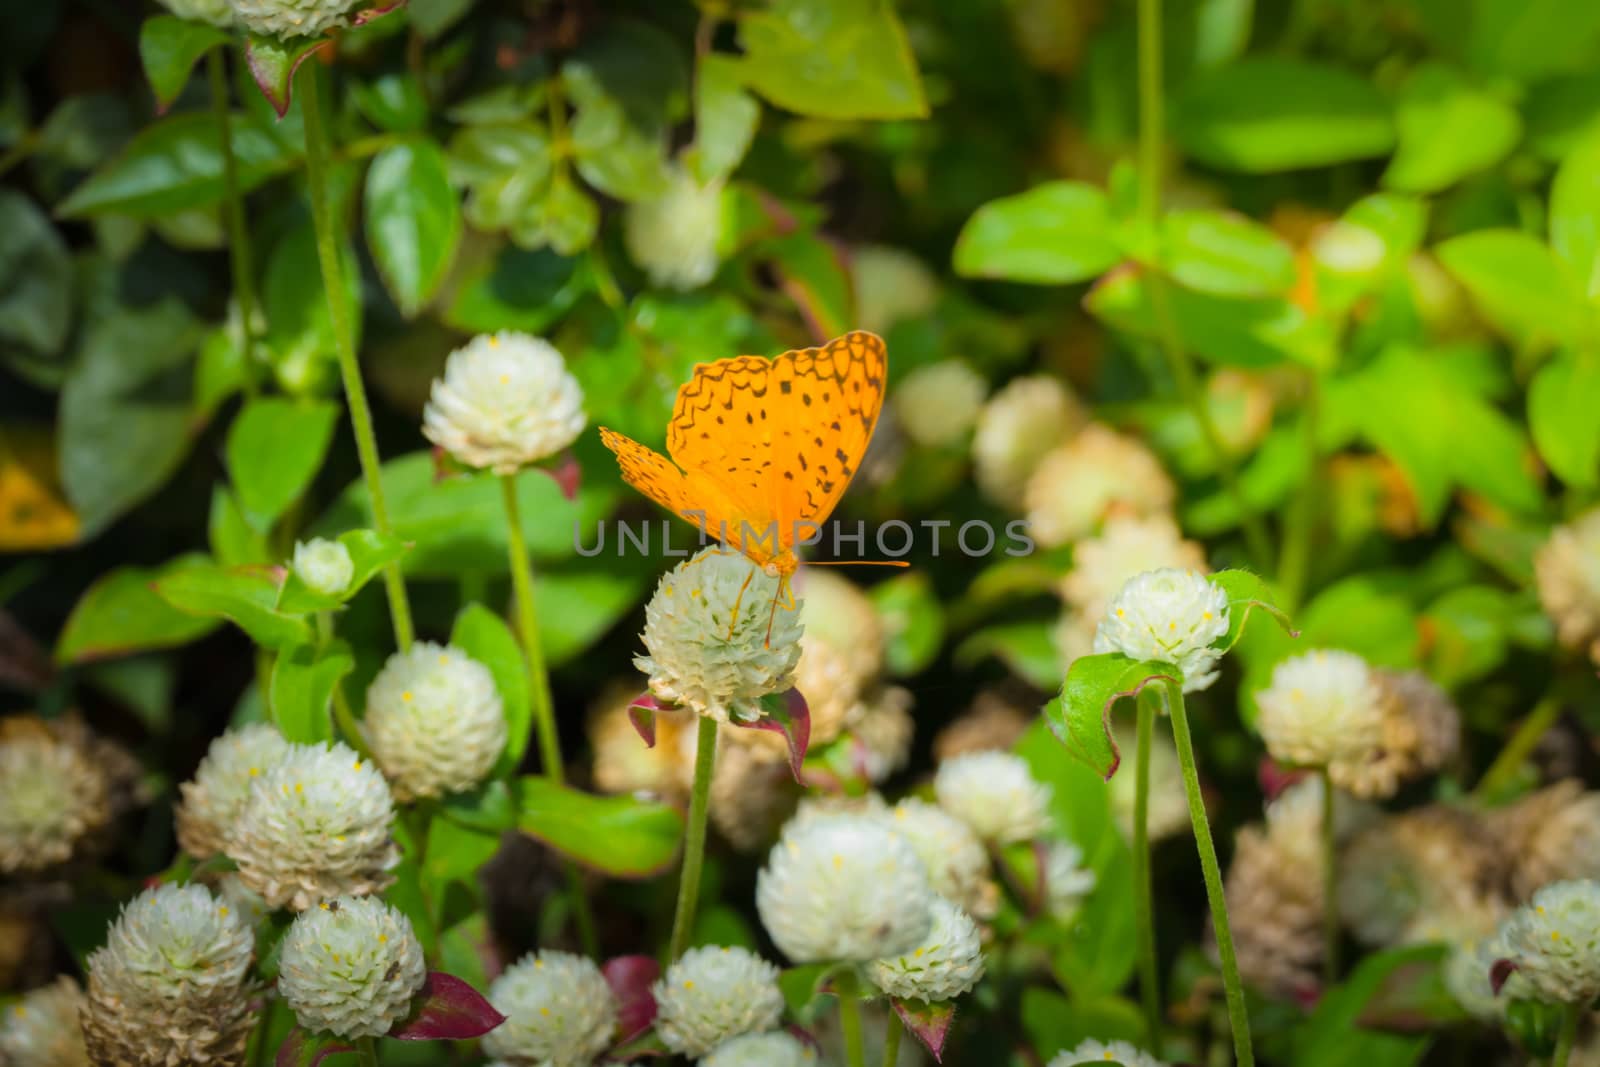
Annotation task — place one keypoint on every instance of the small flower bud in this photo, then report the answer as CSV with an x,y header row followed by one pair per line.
x,y
325,566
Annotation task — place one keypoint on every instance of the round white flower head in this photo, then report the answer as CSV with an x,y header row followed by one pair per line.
x,y
939,402
1077,485
42,1029
1466,974
1066,880
215,12
435,721
715,993
350,967
559,1011
168,986
51,799
1555,942
1110,1051
316,826
674,237
994,793
506,400
1567,572
945,964
212,802
1171,615
1126,546
1321,706
891,284
843,887
325,566
777,1049
292,18
1021,423
706,635
956,861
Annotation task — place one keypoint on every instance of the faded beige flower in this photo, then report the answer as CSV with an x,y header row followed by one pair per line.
x,y
957,863
992,723
1567,571
996,794
1322,707
42,1028
622,761
1552,835
1098,473
1126,546
1420,730
53,798
1022,422
838,613
884,731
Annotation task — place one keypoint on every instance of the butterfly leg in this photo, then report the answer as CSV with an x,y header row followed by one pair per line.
x,y
737,601
785,594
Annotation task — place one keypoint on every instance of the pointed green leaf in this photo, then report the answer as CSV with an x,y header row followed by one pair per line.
x,y
484,636
1053,234
274,448
413,221
121,613
1247,593
301,690
1448,129
1519,285
1225,254
617,835
170,47
243,595
1563,402
1080,716
725,117
274,60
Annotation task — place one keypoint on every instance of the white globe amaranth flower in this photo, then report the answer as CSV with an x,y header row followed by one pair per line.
x,y
843,887
293,18
215,12
1022,422
890,284
350,967
1319,707
210,803
939,402
996,794
1466,976
957,863
316,826
1554,940
435,721
674,238
1066,880
559,1012
324,566
506,400
776,1049
706,637
1109,1051
1567,572
945,964
715,993
1099,472
52,799
1172,615
42,1029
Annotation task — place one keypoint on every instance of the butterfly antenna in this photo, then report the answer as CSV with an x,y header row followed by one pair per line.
x,y
857,563
786,594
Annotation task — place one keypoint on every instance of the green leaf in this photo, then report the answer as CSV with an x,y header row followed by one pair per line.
x,y
1560,114
233,540
370,552
243,595
393,101
805,988
814,276
413,221
1518,285
577,605
1563,399
434,17
913,622
506,168
1530,39
1055,233
484,636
1247,594
566,219
1334,1036
299,336
1575,213
170,47
1448,130
1265,115
300,692
121,613
1028,648
1469,633
175,164
515,289
1080,715
619,836
725,117
36,279
274,448
456,853
1225,254
1055,1023
626,83
836,59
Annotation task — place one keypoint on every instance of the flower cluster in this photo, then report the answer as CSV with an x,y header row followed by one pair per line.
x,y
43,1028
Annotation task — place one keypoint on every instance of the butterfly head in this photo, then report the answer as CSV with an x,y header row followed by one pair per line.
x,y
781,566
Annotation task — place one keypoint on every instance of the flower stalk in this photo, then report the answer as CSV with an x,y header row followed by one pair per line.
x,y
1330,884
1144,910
239,255
694,841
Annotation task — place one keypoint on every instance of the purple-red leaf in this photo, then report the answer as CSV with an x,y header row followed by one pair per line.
x,y
630,978
566,473
929,1022
447,1009
642,713
789,715
301,1049
1499,972
273,63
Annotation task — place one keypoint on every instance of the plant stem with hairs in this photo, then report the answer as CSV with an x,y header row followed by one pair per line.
x,y
239,257
694,841
1144,909
891,1038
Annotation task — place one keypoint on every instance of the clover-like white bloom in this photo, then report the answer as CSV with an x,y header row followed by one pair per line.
x,y
350,967
506,400
1466,975
1066,880
674,237
1172,615
715,993
1321,706
1110,1051
957,863
945,964
435,721
211,803
1551,835
325,566
52,798
1567,571
42,1028
939,402
316,826
1128,545
168,986
996,794
292,18
214,12
559,1012
843,887
706,635
776,1049
1022,422
1555,942
1097,473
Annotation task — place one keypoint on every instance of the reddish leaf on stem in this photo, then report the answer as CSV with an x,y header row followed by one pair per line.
x,y
566,473
301,1049
1275,778
273,63
1499,972
929,1022
642,713
447,1009
630,978
789,715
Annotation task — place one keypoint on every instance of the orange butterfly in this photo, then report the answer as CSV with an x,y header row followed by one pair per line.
x,y
762,449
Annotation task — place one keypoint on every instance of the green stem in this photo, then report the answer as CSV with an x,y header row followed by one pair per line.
x,y
1152,133
239,257
1568,1036
1144,909
1294,556
317,149
1330,884
260,1054
544,718
1534,726
343,716
891,1038
850,1020
694,841
1238,1018
367,1051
